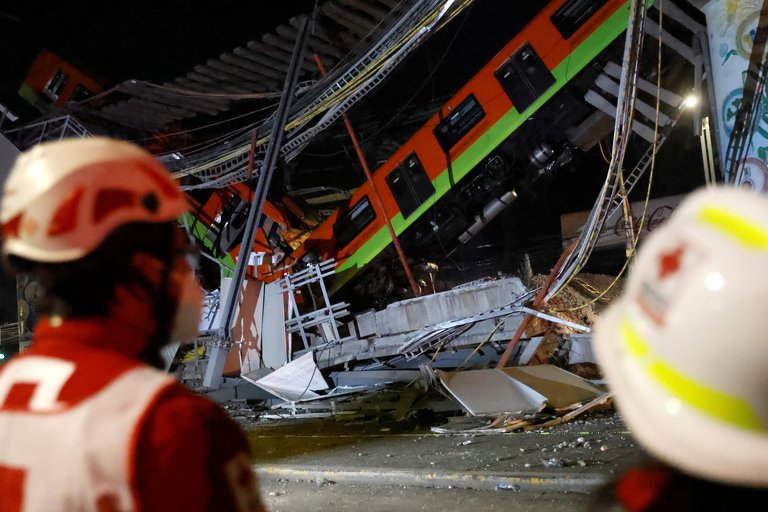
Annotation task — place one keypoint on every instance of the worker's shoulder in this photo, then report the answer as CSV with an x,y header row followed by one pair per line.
x,y
179,401
179,415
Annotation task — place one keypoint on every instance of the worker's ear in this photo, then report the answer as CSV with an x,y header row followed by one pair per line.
x,y
149,265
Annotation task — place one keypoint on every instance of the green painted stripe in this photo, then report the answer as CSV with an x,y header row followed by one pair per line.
x,y
743,230
496,134
726,408
198,231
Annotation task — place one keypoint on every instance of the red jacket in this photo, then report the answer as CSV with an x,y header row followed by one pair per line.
x,y
85,424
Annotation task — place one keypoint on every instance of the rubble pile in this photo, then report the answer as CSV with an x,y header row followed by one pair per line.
x,y
580,302
446,344
393,404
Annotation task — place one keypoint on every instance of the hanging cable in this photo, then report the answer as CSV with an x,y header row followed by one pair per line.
x,y
622,132
650,176
602,152
338,96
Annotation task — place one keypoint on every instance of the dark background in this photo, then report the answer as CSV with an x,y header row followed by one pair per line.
x,y
157,41
139,39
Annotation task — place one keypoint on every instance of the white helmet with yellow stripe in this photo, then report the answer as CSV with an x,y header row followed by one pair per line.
x,y
686,347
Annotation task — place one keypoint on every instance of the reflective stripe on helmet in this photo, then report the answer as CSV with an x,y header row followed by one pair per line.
x,y
729,409
743,230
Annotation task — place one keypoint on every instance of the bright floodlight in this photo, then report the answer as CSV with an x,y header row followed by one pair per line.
x,y
690,101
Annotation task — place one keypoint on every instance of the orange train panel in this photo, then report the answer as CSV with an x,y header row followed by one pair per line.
x,y
551,47
46,65
207,213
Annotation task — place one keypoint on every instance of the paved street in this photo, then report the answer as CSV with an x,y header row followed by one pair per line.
x,y
284,496
361,465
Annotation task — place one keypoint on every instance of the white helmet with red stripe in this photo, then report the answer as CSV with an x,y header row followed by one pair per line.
x,y
63,198
685,348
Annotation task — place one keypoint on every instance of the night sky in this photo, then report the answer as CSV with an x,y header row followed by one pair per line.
x,y
143,39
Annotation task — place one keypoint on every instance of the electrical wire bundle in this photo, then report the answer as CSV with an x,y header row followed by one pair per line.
x,y
622,130
336,94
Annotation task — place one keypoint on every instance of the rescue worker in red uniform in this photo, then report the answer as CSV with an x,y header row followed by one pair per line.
x,y
684,351
87,421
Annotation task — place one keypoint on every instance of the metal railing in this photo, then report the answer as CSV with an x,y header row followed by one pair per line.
x,y
56,128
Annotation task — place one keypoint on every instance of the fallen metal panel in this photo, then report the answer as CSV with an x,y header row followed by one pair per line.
x,y
581,350
530,348
561,388
490,392
297,380
255,375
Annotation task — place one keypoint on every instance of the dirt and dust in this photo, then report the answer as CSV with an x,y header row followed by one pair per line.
x,y
374,466
581,301
598,442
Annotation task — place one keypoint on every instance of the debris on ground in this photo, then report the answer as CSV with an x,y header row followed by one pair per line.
x,y
439,353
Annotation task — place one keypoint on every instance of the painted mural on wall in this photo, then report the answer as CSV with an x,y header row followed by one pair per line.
x,y
731,26
614,232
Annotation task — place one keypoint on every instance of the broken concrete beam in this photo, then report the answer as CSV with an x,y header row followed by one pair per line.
x,y
464,301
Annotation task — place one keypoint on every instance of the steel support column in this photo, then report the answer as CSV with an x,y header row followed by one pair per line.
x,y
219,354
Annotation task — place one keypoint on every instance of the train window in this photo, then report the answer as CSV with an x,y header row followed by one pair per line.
x,y
410,184
56,84
354,222
458,123
524,77
81,93
573,14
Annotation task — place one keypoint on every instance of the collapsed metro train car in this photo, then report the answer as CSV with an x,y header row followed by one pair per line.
x,y
452,158
501,135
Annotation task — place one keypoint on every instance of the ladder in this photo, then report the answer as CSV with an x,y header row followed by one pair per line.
x,y
642,165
